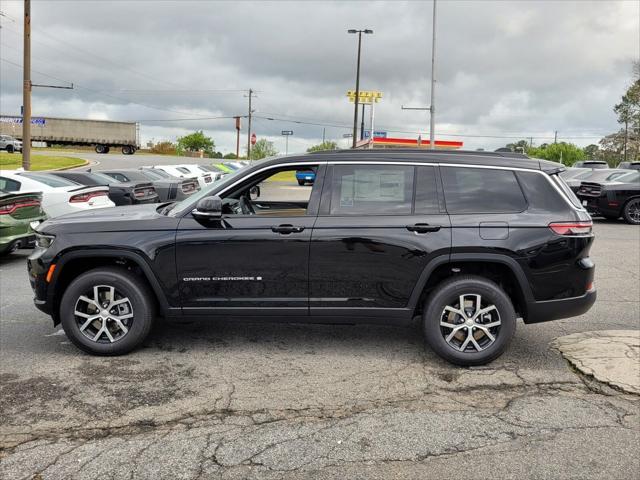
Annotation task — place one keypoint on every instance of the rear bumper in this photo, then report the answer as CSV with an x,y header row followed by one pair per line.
x,y
564,308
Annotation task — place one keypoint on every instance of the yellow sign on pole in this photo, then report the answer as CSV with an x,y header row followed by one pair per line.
x,y
367,97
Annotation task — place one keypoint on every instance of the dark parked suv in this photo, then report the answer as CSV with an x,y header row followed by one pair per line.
x,y
464,242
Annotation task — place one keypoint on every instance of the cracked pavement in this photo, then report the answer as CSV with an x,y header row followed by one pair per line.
x,y
224,399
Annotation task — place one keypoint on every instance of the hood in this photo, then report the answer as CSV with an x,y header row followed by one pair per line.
x,y
130,217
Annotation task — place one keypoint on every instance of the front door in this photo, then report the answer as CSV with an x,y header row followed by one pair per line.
x,y
379,226
255,259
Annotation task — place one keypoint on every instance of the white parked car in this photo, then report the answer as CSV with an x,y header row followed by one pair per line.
x,y
59,195
181,171
10,144
202,170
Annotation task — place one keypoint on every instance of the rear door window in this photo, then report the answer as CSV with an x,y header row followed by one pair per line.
x,y
481,190
372,190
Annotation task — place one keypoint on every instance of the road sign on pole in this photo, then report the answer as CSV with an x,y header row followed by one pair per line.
x,y
286,134
254,139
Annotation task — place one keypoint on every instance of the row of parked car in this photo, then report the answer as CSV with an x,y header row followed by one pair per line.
x,y
607,192
28,198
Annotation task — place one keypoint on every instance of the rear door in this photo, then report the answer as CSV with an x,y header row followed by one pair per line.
x,y
379,226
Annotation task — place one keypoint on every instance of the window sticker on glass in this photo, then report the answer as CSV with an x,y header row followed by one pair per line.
x,y
347,191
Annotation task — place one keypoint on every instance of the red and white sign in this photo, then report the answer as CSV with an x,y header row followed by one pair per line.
x,y
253,139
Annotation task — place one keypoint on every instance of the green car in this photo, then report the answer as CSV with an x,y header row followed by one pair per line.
x,y
19,213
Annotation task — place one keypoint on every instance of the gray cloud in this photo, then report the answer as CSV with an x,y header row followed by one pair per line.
x,y
504,68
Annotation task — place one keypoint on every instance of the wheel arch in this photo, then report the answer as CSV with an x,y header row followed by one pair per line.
x,y
502,269
75,263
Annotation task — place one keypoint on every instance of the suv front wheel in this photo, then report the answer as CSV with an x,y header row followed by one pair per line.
x,y
469,320
107,311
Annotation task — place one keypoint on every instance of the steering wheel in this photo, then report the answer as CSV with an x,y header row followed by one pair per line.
x,y
245,205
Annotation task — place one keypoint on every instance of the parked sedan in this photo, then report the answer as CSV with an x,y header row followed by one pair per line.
x,y
613,198
598,175
168,189
121,193
204,179
630,165
59,195
19,213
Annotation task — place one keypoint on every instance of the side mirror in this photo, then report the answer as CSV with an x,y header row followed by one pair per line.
x,y
208,208
254,192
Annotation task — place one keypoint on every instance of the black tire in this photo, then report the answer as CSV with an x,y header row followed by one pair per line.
x,y
126,150
631,211
301,182
100,149
126,285
448,294
10,149
106,149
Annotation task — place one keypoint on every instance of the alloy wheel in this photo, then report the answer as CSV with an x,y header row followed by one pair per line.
x,y
634,211
103,314
471,324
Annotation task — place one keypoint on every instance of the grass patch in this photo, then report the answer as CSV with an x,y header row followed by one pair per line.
x,y
289,176
12,161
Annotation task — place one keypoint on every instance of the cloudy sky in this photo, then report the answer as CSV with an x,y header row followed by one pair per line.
x,y
505,69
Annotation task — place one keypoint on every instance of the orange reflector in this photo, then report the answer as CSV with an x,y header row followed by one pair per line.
x,y
589,286
50,272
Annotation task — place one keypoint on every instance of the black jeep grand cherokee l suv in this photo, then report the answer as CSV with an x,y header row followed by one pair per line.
x,y
467,242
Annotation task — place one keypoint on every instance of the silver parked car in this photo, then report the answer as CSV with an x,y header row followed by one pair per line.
x,y
10,144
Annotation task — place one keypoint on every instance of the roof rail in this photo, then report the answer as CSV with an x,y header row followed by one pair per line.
x,y
480,153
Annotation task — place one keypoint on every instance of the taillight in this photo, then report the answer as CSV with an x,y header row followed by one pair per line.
x,y
85,197
571,228
9,208
144,192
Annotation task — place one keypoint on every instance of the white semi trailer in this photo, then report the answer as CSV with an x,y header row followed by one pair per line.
x,y
100,134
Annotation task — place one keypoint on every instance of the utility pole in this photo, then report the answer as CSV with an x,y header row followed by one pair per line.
x,y
249,127
371,135
355,106
324,130
362,123
432,107
555,137
237,137
26,89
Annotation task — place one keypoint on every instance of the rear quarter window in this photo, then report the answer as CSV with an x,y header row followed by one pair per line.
x,y
9,185
482,190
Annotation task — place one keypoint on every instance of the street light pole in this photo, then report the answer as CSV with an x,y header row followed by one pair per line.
x,y
355,106
432,107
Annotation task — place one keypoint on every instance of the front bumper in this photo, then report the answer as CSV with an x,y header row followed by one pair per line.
x,y
564,308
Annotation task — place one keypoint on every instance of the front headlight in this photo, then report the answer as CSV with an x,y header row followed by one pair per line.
x,y
44,241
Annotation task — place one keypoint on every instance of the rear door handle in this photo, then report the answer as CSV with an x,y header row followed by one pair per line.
x,y
287,229
423,228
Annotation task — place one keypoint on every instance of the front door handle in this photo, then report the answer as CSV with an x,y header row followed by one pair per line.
x,y
287,229
423,228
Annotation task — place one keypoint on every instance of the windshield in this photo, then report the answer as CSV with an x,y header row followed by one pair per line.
x,y
602,175
629,177
49,180
157,171
179,206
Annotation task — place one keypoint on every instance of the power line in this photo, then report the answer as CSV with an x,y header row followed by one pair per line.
x,y
126,100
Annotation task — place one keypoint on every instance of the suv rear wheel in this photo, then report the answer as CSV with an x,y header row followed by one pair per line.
x,y
469,320
107,311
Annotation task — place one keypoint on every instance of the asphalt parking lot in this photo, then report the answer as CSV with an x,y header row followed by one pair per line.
x,y
223,399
